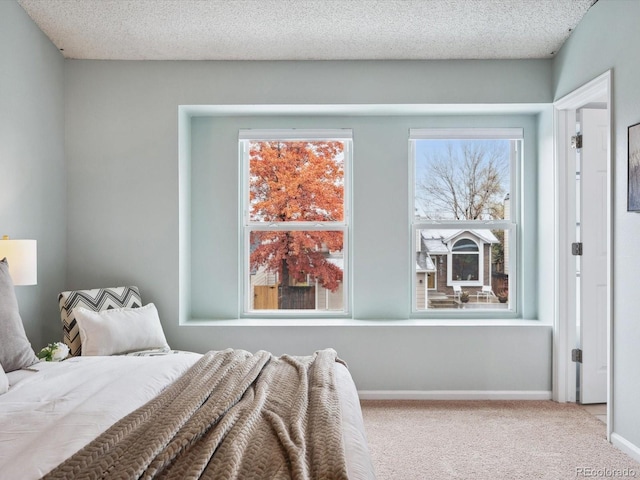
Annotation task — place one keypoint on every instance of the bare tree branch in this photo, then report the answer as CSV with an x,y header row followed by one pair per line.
x,y
464,181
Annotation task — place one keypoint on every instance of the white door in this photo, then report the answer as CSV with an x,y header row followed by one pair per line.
x,y
591,266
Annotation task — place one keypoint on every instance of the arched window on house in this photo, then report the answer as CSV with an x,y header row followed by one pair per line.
x,y
465,261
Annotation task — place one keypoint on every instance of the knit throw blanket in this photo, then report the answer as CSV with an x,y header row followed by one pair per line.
x,y
233,415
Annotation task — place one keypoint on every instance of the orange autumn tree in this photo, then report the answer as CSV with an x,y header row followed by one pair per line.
x,y
297,181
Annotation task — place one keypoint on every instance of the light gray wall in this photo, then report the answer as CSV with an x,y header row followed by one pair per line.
x,y
122,147
609,38
32,163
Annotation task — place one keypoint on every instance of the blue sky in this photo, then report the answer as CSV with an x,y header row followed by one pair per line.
x,y
426,148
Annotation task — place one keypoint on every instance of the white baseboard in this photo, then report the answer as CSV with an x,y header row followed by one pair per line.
x,y
626,446
454,395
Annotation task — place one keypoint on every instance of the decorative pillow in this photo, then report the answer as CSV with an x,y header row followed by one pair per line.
x,y
120,330
15,349
97,300
4,381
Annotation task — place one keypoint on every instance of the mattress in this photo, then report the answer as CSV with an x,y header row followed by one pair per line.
x,y
53,410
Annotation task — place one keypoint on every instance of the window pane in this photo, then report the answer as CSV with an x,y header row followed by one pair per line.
x,y
461,179
296,270
296,181
452,261
465,266
465,245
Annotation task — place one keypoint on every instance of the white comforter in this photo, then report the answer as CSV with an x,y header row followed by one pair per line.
x,y
49,414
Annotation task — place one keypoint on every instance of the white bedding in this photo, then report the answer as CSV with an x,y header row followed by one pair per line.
x,y
49,414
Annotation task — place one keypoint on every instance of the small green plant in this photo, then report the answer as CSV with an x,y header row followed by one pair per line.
x,y
464,296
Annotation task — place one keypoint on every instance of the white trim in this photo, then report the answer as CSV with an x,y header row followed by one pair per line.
x,y
563,375
285,134
459,226
296,226
626,446
589,92
454,394
466,133
341,321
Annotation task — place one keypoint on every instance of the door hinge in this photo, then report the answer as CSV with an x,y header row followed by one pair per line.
x,y
576,248
576,141
576,355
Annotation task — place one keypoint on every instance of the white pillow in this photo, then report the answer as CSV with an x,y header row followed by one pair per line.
x,y
4,381
120,330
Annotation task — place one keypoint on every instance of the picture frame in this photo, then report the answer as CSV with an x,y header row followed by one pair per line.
x,y
633,180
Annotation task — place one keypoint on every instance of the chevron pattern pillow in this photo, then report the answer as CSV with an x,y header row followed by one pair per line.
x,y
97,300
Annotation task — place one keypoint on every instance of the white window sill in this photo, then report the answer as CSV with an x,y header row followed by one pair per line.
x,y
349,322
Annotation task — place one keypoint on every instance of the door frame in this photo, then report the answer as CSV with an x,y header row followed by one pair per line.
x,y
564,331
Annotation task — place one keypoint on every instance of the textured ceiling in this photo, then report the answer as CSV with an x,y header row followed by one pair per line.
x,y
306,29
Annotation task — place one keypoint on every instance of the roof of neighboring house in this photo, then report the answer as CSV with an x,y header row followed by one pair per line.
x,y
435,246
425,263
435,240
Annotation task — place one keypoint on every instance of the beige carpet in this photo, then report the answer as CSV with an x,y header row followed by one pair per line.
x,y
494,440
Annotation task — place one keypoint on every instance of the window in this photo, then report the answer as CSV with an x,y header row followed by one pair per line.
x,y
295,221
465,261
465,219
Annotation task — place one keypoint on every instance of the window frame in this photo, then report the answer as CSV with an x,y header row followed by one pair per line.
x,y
511,225
245,136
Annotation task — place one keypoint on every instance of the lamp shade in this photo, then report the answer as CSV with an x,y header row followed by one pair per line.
x,y
22,256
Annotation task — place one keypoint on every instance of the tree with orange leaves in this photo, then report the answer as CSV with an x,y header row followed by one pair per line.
x,y
297,181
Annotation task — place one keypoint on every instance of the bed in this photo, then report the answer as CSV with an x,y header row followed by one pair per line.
x,y
168,414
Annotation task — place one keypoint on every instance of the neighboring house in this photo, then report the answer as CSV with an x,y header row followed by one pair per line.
x,y
452,257
507,214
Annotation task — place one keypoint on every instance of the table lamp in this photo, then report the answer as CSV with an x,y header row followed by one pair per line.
x,y
22,256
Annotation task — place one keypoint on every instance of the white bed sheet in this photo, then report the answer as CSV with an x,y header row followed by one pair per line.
x,y
49,414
